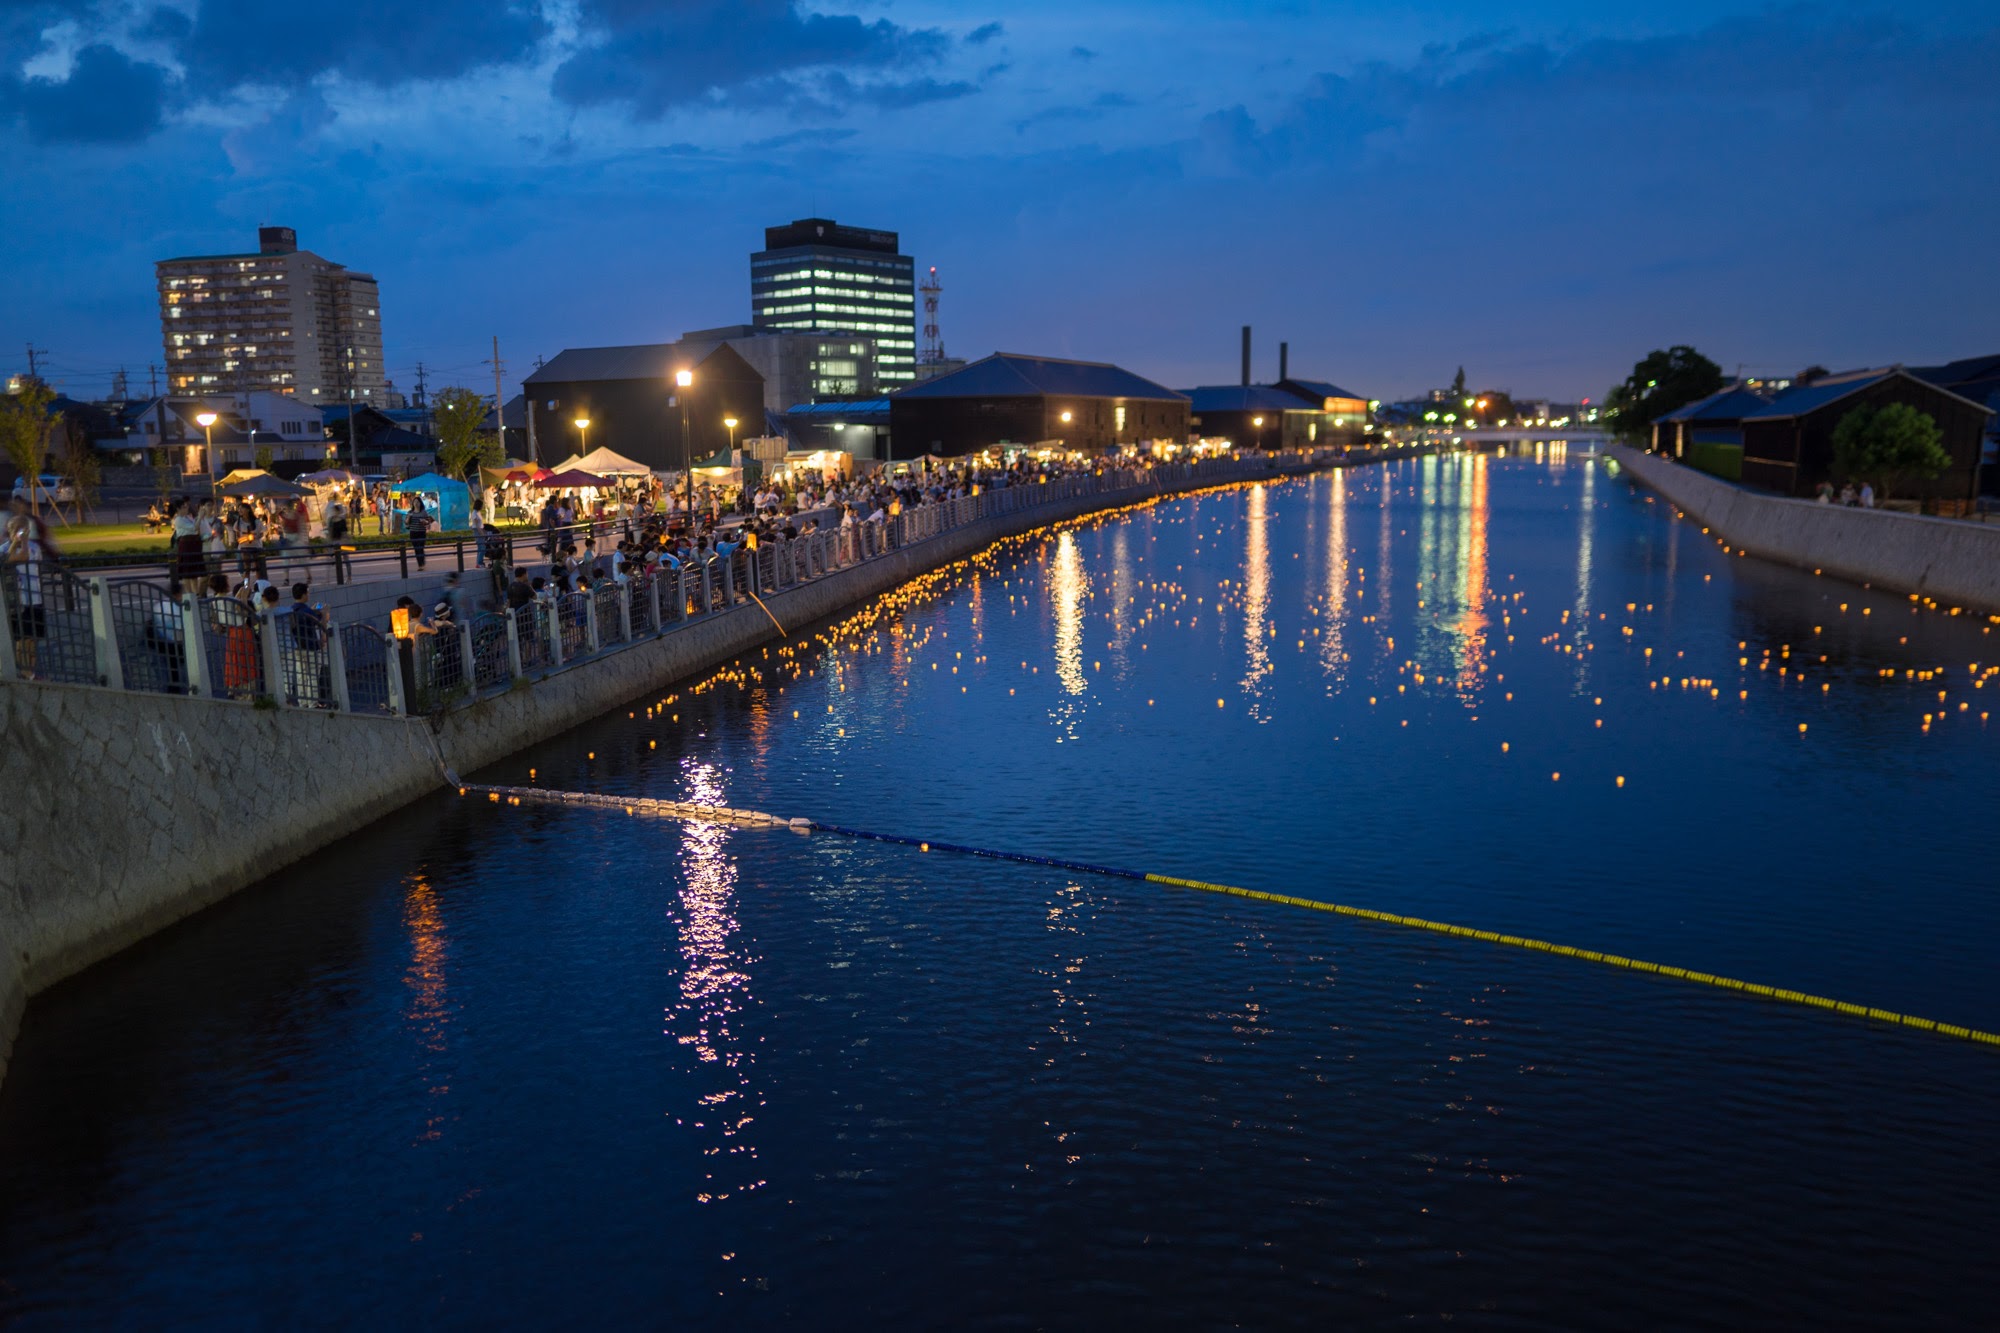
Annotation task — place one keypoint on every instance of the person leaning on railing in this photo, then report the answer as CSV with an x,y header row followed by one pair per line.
x,y
27,550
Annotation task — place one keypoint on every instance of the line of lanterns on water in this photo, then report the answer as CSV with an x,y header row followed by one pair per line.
x,y
883,629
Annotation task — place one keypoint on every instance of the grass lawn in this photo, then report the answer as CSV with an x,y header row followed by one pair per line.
x,y
133,539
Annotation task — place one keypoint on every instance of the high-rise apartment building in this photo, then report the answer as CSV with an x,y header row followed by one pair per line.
x,y
281,319
818,276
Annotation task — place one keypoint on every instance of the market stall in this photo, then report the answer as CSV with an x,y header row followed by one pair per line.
x,y
449,502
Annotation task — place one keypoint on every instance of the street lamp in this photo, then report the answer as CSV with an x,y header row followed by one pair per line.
x,y
583,429
684,380
206,420
731,423
1258,422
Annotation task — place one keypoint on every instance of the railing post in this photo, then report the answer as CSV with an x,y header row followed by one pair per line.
x,y
551,617
707,593
514,643
274,661
336,667
468,666
590,619
9,668
110,671
658,622
194,646
392,672
625,613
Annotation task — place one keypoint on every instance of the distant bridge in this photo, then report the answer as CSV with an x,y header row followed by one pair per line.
x,y
1533,434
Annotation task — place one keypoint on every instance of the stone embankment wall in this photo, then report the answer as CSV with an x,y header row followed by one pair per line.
x,y
1952,562
125,812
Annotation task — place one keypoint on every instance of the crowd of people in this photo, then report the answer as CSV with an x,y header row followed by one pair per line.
x,y
1849,497
226,551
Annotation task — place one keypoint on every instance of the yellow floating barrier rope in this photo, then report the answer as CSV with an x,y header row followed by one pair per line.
x,y
677,810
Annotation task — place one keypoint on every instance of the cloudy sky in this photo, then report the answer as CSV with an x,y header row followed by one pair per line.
x,y
1540,192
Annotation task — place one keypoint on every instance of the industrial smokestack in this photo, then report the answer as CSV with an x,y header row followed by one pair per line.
x,y
1284,361
1246,356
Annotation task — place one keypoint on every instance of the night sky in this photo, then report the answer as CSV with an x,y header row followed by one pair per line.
x,y
1541,192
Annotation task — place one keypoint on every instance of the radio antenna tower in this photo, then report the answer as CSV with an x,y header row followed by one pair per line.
x,y
933,344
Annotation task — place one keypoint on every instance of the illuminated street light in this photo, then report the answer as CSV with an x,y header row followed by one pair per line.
x,y
583,429
730,422
684,379
206,420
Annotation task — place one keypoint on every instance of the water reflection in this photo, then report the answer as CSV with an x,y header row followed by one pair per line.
x,y
1068,586
1588,528
428,1014
1257,598
1472,622
715,989
1332,646
1383,580
1067,916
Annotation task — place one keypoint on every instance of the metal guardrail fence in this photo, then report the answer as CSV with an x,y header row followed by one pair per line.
x,y
134,634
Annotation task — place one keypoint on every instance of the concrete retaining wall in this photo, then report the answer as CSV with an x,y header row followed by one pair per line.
x,y
1952,562
126,812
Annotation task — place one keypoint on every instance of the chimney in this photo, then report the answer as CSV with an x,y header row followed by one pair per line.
x,y
1246,356
1284,361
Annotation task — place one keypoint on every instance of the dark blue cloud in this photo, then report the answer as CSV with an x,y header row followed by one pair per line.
x,y
985,32
654,57
915,92
107,98
380,42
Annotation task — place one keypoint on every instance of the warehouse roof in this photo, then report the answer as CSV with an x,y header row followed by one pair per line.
x,y
642,361
1245,398
1008,375
1318,390
1730,404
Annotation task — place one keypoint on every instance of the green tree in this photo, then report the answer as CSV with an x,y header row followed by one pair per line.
x,y
264,458
25,426
457,414
165,474
1887,446
79,463
1664,382
1458,387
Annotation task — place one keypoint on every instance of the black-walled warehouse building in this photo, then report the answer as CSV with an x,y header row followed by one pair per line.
x,y
1788,442
628,395
1005,399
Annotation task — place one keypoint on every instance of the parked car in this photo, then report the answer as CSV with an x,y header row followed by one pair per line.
x,y
60,489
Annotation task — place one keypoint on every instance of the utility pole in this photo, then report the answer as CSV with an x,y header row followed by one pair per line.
x,y
353,446
419,401
34,365
160,414
499,403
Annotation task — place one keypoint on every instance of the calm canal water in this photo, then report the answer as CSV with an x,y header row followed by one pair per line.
x,y
487,1064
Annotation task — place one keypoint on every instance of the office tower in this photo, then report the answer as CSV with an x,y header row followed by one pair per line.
x,y
815,275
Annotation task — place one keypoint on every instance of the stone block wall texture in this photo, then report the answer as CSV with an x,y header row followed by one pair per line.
x,y
1954,562
127,812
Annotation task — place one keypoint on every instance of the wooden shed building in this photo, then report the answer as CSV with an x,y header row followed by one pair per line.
x,y
1788,442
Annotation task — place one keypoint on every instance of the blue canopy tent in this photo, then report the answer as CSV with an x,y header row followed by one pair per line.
x,y
449,502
